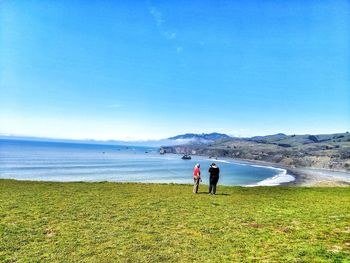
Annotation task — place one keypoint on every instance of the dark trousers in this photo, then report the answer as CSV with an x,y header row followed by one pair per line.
x,y
212,184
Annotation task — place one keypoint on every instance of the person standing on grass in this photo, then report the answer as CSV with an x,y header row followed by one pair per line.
x,y
196,178
214,178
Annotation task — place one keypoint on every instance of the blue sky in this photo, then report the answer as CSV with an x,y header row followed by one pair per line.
x,y
147,70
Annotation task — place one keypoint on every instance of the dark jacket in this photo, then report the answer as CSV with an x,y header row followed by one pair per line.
x,y
214,174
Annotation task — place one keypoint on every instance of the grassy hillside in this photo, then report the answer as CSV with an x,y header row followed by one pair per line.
x,y
329,151
297,140
104,222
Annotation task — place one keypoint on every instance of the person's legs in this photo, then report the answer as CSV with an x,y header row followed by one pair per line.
x,y
215,181
210,187
195,184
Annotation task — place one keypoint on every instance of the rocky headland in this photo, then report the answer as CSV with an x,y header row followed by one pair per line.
x,y
326,151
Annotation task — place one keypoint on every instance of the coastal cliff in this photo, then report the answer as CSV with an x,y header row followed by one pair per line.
x,y
330,151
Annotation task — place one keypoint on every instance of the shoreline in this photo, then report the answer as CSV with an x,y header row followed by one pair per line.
x,y
285,176
304,176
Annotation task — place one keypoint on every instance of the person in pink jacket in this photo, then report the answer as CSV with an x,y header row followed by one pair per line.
x,y
196,178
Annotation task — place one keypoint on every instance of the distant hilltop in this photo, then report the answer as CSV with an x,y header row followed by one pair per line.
x,y
201,137
270,137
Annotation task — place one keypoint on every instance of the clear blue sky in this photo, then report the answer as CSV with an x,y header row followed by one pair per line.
x,y
153,69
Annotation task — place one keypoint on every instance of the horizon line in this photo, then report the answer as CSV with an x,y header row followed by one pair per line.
x,y
142,140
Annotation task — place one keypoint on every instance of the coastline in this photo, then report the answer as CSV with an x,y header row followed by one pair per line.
x,y
283,177
307,176
303,176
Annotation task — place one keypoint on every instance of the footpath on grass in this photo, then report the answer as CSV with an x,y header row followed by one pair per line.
x,y
97,222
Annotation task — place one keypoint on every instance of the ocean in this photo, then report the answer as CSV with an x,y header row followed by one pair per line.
x,y
71,162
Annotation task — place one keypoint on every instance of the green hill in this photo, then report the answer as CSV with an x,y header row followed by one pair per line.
x,y
295,140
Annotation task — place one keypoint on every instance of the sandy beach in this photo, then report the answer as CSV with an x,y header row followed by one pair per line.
x,y
319,177
310,177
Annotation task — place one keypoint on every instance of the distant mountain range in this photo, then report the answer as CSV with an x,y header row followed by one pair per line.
x,y
279,139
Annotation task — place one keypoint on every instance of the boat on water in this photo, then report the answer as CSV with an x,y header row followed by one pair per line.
x,y
186,157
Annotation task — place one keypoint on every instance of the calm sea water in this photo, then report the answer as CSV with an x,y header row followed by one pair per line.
x,y
48,161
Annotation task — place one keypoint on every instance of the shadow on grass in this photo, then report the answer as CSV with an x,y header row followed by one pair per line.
x,y
206,193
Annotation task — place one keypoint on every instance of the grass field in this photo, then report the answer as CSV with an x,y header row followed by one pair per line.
x,y
112,222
